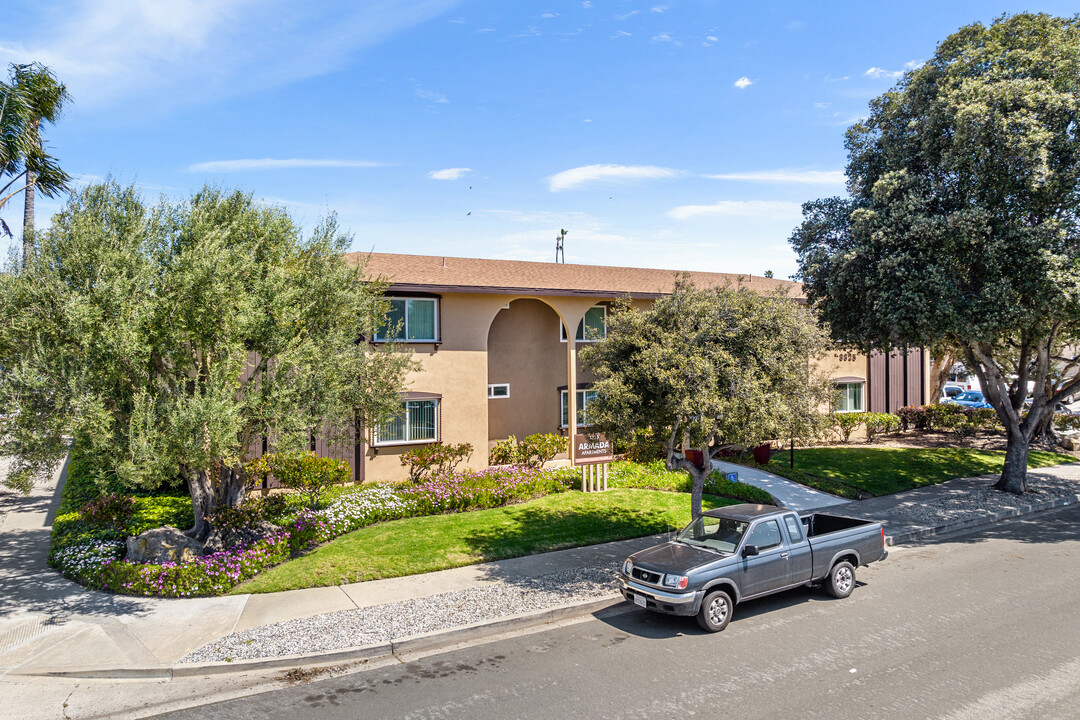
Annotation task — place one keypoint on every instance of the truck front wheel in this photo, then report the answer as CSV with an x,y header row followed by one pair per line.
x,y
841,580
715,611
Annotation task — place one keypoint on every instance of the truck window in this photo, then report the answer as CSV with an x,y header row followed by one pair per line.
x,y
766,535
794,528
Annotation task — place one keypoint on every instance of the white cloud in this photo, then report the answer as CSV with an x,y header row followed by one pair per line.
x,y
628,15
587,4
662,37
253,164
807,177
197,50
432,96
622,33
448,173
592,173
772,209
710,40
876,72
743,82
658,8
821,105
549,15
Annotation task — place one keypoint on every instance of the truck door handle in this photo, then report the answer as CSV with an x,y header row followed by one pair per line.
x,y
784,555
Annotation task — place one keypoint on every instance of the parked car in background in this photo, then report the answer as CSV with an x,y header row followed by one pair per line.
x,y
950,391
971,399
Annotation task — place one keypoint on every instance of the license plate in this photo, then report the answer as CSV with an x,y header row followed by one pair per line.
x,y
640,600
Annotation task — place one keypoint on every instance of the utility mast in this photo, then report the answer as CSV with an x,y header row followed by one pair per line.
x,y
560,255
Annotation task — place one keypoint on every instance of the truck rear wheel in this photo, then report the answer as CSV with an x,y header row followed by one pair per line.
x,y
715,611
841,580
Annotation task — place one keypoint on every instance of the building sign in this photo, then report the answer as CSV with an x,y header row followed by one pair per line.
x,y
592,448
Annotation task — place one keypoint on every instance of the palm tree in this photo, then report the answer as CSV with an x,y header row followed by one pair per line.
x,y
33,95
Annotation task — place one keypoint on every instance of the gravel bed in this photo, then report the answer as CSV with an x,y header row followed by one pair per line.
x,y
381,623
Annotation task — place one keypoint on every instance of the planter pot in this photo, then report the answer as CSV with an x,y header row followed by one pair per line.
x,y
762,453
695,456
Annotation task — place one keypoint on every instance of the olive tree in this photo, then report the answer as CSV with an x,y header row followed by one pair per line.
x,y
963,223
173,338
702,367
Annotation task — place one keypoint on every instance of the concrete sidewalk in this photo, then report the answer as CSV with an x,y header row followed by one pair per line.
x,y
789,494
50,626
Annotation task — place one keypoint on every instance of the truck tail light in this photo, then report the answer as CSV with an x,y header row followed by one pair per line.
x,y
882,537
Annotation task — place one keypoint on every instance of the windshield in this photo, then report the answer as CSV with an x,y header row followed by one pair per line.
x,y
717,533
970,396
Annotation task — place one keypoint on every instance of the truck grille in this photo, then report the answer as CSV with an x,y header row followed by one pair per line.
x,y
644,575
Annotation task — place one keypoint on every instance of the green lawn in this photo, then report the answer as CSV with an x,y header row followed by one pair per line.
x,y
426,544
882,470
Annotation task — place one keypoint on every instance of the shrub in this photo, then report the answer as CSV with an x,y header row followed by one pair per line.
x,y
437,458
717,484
305,473
880,424
1064,421
957,423
846,423
533,451
942,416
505,452
110,510
912,417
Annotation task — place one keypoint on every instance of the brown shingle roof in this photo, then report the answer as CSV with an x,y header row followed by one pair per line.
x,y
452,274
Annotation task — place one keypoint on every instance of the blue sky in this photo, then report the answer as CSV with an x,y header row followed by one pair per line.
x,y
677,134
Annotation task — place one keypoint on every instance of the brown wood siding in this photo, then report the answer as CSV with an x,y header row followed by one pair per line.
x,y
914,377
895,382
877,383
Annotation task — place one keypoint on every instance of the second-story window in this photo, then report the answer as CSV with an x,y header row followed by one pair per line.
x,y
592,328
410,320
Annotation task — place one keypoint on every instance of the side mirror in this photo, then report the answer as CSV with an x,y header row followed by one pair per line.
x,y
750,550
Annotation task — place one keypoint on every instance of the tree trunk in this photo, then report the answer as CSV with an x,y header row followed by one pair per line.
x,y
939,373
28,217
202,502
1014,473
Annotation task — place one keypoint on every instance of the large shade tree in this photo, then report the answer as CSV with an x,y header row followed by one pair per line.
x,y
32,96
172,339
963,221
705,367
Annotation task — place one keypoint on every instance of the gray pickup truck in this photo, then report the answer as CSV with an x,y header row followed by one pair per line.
x,y
742,552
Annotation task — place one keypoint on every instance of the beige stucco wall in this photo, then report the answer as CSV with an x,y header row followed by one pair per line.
x,y
457,369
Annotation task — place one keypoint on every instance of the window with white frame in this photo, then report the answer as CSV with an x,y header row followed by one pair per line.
x,y
593,326
584,397
498,390
851,397
410,320
417,423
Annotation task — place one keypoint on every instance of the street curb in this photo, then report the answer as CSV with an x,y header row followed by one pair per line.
x,y
416,643
923,533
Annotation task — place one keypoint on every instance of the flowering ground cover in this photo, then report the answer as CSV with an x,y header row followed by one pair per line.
x,y
92,553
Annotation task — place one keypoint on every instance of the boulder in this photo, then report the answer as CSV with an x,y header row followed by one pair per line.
x,y
162,545
223,540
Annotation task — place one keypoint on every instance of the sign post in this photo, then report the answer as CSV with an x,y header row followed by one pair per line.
x,y
593,452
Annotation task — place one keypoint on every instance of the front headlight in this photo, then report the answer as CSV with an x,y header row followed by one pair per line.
x,y
627,567
677,582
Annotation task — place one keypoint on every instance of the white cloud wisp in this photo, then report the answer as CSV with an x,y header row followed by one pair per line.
x,y
738,208
448,173
586,174
804,177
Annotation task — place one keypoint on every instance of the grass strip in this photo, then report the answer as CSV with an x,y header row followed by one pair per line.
x,y
884,470
426,544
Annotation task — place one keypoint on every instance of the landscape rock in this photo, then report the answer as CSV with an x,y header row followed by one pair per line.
x,y
161,545
223,540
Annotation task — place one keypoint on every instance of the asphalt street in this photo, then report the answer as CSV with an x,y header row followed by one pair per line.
x,y
978,625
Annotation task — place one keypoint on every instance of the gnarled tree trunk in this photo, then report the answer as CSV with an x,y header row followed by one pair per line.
x,y
201,489
1014,473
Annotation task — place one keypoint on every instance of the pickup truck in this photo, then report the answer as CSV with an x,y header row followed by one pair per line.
x,y
741,552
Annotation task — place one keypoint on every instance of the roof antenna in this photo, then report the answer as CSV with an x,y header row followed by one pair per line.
x,y
559,253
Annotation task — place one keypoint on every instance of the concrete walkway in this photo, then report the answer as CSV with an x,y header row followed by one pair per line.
x,y
789,494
